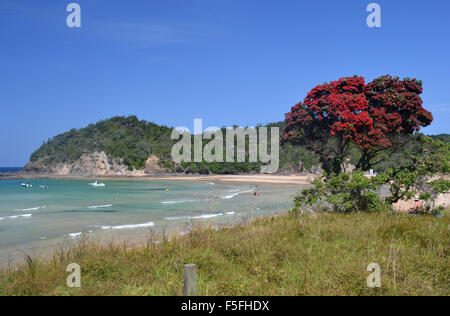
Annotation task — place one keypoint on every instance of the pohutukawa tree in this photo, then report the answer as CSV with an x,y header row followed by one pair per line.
x,y
375,117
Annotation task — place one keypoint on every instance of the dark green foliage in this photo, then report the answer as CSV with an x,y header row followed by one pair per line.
x,y
417,179
292,158
345,192
402,155
126,138
353,192
133,140
445,138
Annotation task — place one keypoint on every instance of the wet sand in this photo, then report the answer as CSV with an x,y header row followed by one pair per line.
x,y
253,178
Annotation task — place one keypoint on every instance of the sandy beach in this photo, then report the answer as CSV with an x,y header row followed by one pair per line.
x,y
253,178
294,179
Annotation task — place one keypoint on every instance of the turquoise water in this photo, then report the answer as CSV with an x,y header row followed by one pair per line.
x,y
35,217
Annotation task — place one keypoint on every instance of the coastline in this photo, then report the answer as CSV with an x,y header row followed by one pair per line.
x,y
138,237
129,240
294,179
261,257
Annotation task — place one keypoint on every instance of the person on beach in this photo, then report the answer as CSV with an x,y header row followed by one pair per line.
x,y
418,206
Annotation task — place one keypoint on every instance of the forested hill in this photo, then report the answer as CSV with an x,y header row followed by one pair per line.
x,y
133,141
127,138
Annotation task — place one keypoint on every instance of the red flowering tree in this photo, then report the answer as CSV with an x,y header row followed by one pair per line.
x,y
397,111
336,114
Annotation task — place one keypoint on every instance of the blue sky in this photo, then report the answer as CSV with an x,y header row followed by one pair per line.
x,y
225,61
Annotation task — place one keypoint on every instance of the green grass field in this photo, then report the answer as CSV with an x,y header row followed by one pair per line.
x,y
310,255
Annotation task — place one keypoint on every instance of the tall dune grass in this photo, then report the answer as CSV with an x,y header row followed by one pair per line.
x,y
324,254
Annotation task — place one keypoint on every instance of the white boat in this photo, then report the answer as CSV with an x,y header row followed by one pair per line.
x,y
96,184
27,185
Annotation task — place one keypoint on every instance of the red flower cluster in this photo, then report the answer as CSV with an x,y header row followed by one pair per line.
x,y
364,114
396,105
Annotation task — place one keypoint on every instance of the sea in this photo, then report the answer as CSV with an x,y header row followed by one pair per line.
x,y
47,213
10,169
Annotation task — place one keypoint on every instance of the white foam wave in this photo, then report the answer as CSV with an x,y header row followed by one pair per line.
x,y
30,209
16,216
204,216
129,226
230,196
75,235
100,206
176,202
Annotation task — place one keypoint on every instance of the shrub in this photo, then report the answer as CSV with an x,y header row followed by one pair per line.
x,y
345,192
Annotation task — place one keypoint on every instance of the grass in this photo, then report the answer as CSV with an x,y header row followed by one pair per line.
x,y
325,254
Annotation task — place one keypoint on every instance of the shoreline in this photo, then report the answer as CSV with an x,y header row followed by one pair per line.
x,y
293,179
261,257
44,248
130,240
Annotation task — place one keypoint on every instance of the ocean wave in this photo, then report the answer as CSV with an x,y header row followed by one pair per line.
x,y
176,202
230,196
76,235
129,226
204,216
16,216
30,209
100,206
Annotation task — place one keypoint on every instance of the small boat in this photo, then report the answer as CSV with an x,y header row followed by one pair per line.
x,y
96,184
43,186
27,185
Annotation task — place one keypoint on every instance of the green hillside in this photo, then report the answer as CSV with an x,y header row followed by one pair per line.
x,y
135,140
128,138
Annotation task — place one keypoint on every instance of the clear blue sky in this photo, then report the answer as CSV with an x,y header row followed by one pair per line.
x,y
226,61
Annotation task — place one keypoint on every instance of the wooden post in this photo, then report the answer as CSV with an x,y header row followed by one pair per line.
x,y
190,280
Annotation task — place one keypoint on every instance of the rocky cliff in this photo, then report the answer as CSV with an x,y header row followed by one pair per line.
x,y
91,165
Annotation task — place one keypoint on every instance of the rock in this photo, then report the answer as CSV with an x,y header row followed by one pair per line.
x,y
403,205
441,200
316,169
349,167
152,166
88,165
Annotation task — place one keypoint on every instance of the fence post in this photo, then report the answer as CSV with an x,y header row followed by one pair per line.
x,y
190,280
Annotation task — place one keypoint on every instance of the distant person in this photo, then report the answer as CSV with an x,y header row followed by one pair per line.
x,y
418,206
